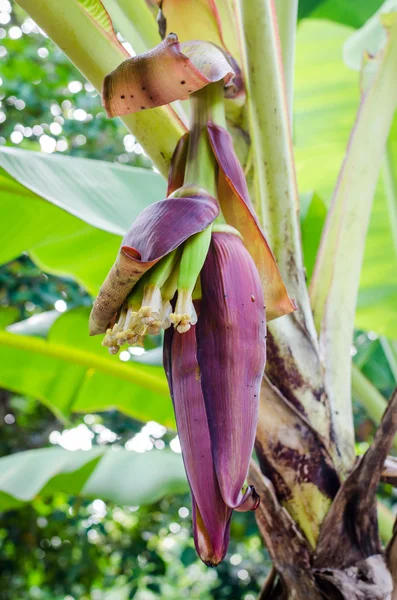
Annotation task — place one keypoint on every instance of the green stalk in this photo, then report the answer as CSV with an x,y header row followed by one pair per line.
x,y
277,194
135,22
83,31
294,351
159,274
287,15
206,105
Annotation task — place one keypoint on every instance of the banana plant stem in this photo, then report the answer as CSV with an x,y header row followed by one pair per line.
x,y
287,15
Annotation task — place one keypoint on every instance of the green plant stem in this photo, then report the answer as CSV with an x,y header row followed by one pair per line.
x,y
88,360
390,183
205,105
369,397
95,51
276,189
201,170
294,348
135,22
287,15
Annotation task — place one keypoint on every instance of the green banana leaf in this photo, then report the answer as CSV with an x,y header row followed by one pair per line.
x,y
347,12
125,477
71,372
326,101
98,201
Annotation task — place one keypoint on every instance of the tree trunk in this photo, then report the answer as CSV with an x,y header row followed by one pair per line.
x,y
347,561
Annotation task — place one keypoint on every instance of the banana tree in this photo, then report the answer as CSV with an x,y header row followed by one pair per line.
x,y
223,253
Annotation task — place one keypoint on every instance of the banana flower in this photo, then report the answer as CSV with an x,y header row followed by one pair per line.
x,y
197,265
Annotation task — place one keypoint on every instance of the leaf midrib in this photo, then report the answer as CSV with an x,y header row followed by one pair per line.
x,y
130,373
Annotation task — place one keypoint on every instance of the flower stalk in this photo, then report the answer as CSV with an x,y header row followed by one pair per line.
x,y
206,105
200,170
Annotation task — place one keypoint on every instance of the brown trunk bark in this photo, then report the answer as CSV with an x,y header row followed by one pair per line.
x,y
348,562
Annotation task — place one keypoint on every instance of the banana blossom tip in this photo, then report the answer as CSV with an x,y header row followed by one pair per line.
x,y
218,365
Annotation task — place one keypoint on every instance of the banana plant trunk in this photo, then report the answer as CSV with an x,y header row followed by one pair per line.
x,y
347,560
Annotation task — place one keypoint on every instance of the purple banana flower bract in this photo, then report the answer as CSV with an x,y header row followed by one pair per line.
x,y
168,72
159,229
214,373
238,211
